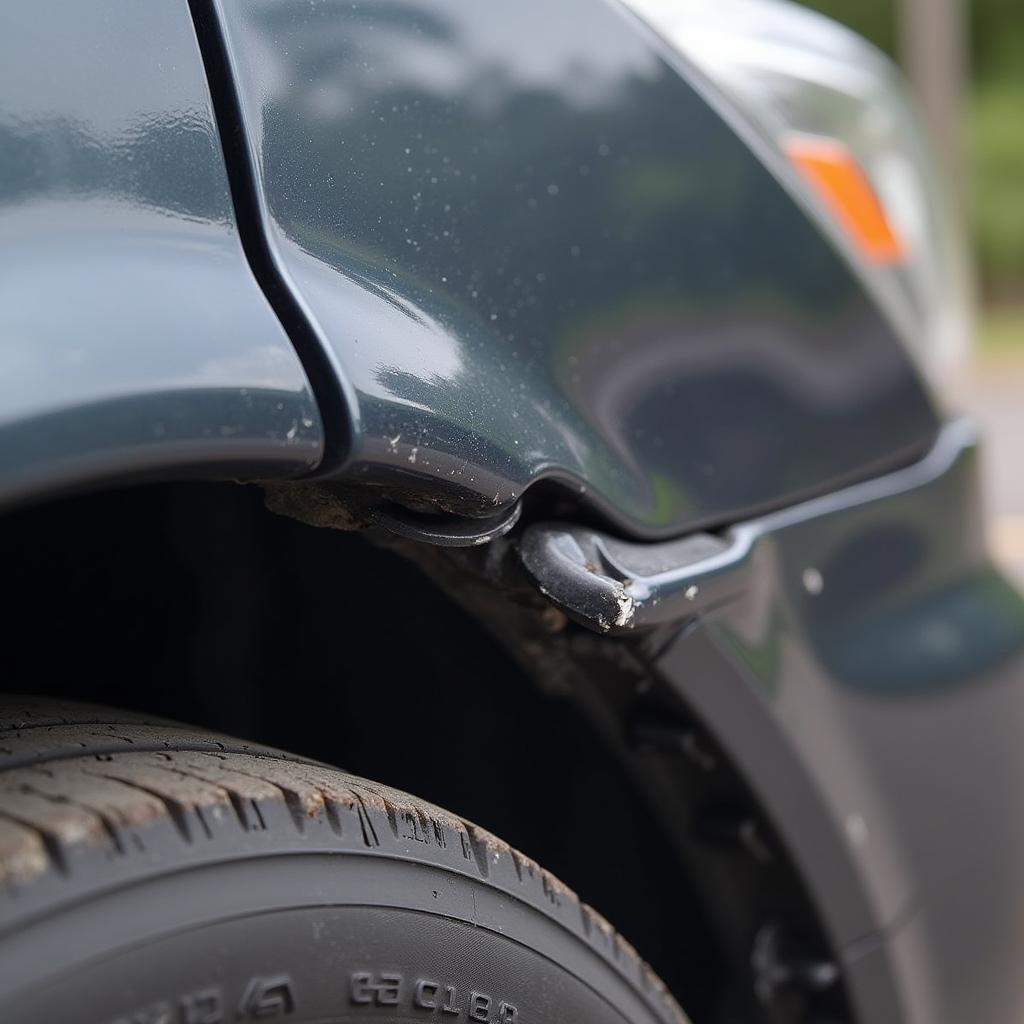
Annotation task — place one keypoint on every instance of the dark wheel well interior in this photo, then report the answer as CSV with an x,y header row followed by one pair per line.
x,y
194,602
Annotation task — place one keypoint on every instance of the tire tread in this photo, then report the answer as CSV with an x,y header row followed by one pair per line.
x,y
78,780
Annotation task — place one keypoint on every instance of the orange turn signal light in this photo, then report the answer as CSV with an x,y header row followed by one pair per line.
x,y
838,180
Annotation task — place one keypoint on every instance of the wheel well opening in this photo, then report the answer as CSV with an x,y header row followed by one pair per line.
x,y
191,601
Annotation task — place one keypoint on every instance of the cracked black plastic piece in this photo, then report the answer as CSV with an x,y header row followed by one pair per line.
x,y
612,585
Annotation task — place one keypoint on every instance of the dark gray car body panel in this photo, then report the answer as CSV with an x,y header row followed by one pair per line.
x,y
531,250
133,336
878,719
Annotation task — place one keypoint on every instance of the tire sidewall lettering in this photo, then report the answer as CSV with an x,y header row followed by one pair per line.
x,y
389,989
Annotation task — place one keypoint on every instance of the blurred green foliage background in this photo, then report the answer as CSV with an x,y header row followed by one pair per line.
x,y
993,138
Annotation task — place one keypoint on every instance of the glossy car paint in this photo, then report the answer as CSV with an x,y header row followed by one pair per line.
x,y
133,337
531,250
871,687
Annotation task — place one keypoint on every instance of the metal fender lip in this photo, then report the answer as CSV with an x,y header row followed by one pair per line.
x,y
447,531
612,585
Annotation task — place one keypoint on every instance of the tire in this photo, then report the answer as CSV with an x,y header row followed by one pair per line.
x,y
151,873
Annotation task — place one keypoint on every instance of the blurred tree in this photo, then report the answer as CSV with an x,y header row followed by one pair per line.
x,y
996,29
873,19
997,39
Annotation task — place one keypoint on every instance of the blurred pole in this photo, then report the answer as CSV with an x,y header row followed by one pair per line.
x,y
934,45
935,53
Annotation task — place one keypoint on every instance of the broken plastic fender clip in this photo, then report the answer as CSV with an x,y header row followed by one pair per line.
x,y
613,585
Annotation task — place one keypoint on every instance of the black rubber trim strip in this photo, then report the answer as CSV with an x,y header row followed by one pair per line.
x,y
242,178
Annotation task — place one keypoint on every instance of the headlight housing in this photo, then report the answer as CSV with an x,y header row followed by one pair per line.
x,y
831,116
